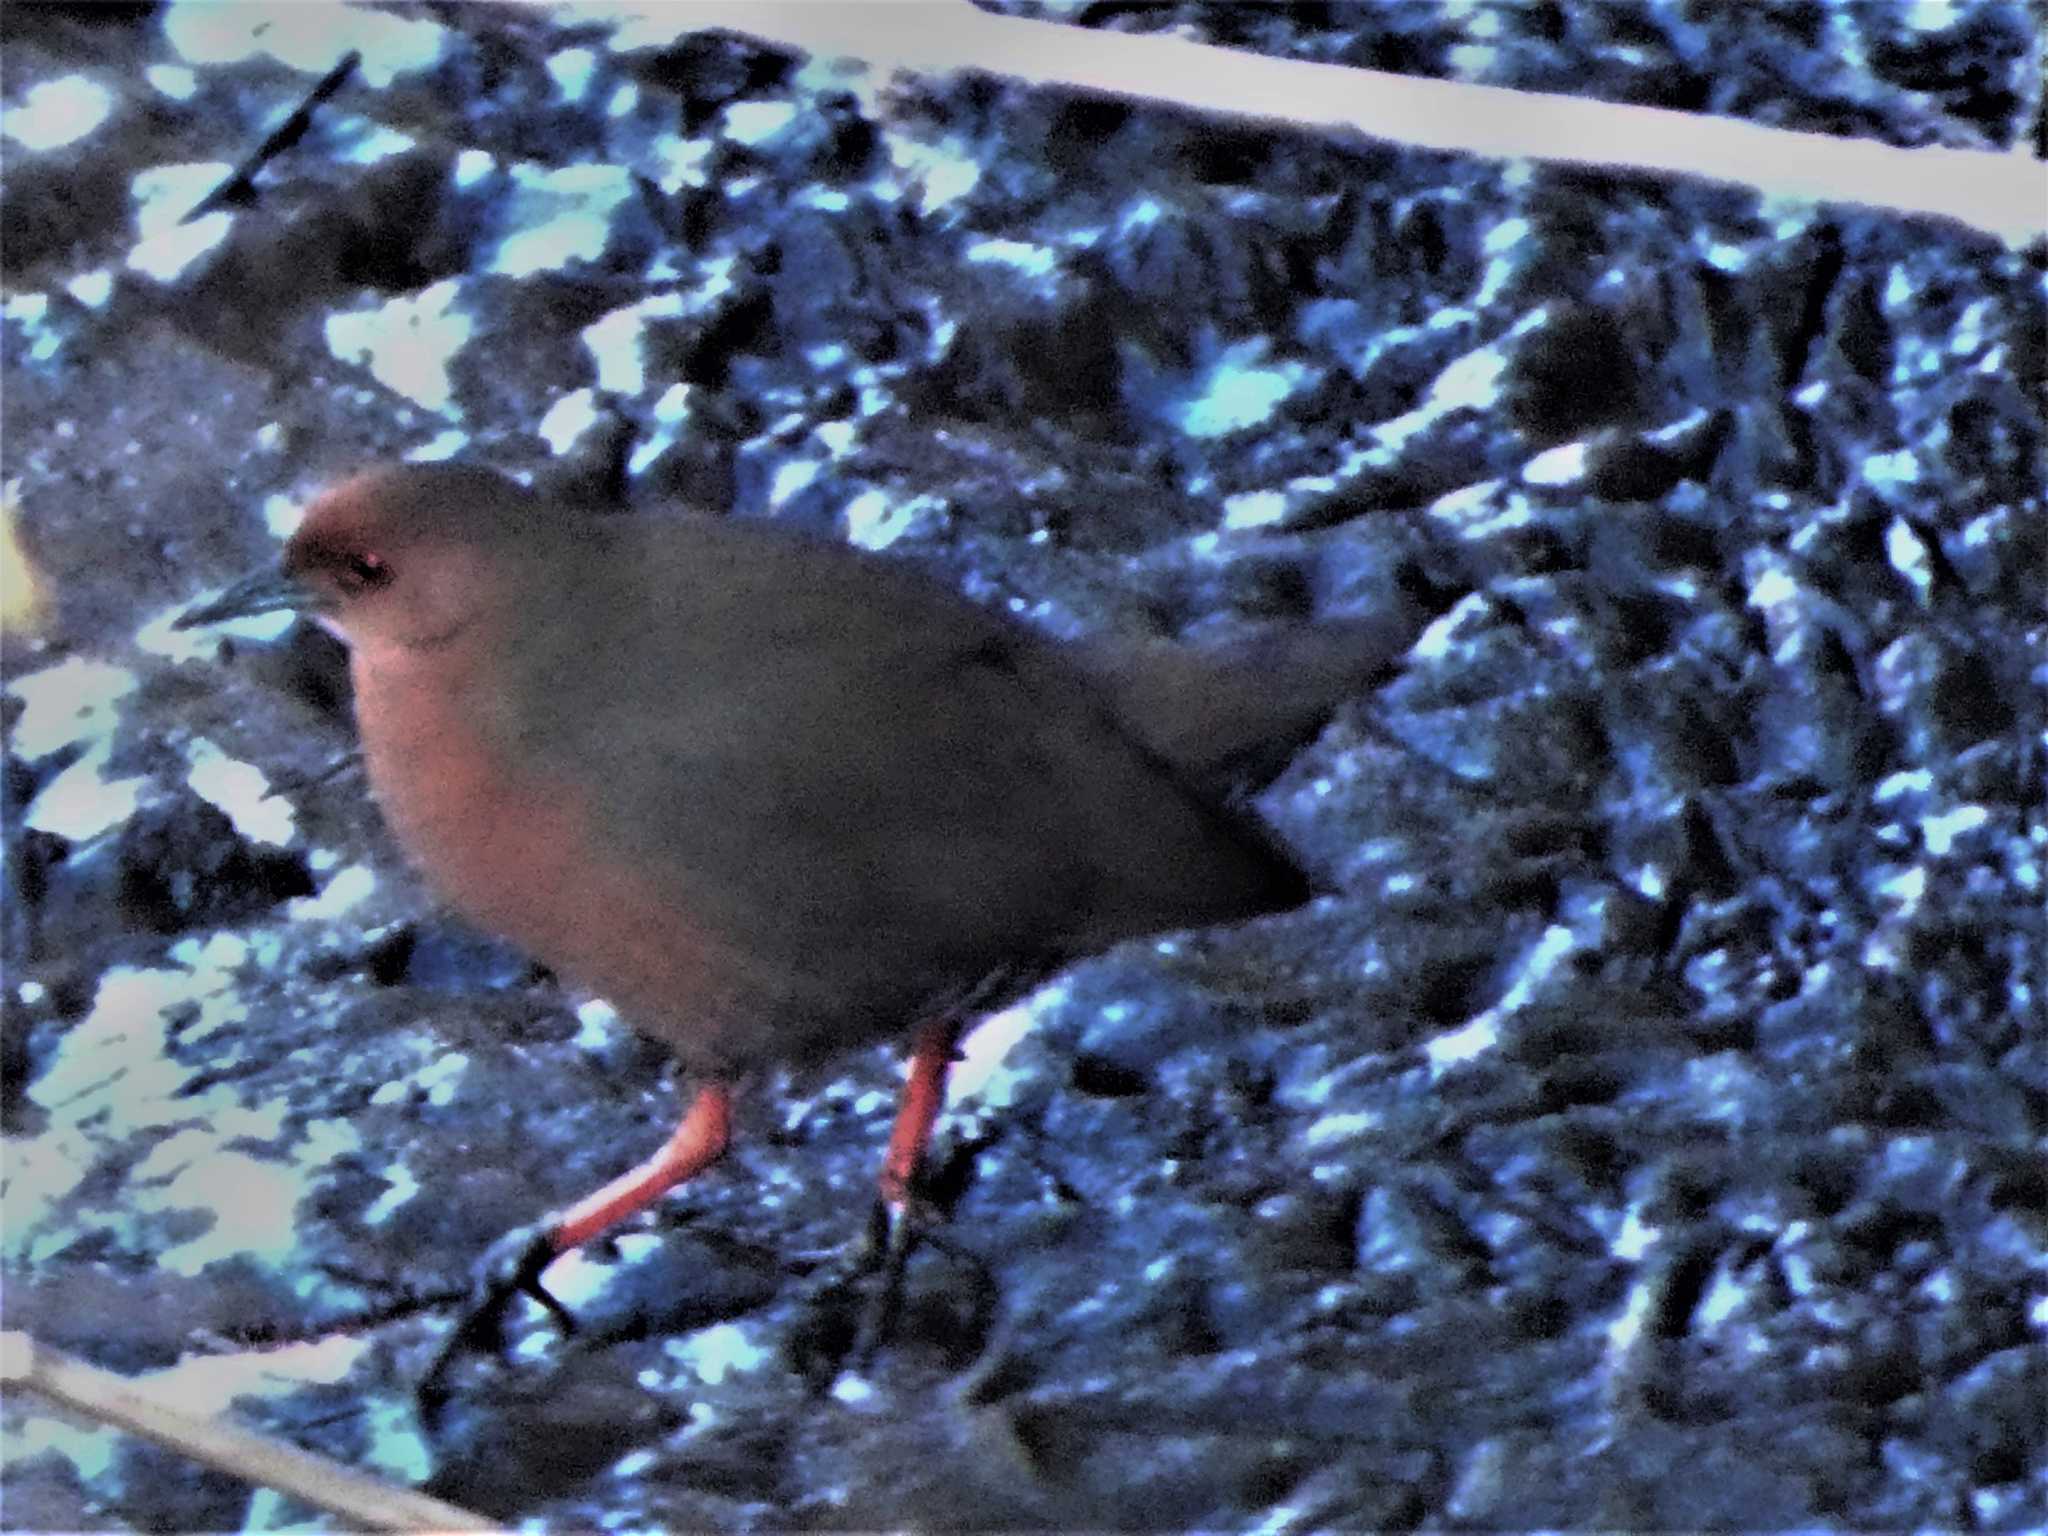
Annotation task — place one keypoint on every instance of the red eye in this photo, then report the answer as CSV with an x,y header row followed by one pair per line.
x,y
364,573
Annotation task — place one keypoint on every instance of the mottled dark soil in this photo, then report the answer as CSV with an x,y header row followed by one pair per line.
x,y
1648,1130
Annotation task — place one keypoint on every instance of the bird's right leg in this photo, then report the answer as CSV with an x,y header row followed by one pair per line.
x,y
924,1096
512,1265
899,1217
857,1298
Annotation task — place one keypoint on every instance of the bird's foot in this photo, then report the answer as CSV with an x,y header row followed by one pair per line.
x,y
857,1304
883,1252
509,1268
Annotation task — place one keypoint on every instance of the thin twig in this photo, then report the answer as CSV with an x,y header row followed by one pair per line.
x,y
240,187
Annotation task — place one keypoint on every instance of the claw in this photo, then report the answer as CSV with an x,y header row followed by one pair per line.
x,y
509,1267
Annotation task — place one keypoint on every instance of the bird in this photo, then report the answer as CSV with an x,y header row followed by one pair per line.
x,y
774,796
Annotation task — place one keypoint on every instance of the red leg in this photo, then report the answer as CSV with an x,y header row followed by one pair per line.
x,y
924,1095
512,1266
699,1141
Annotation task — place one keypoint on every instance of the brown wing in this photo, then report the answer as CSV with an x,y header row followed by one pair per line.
x,y
869,785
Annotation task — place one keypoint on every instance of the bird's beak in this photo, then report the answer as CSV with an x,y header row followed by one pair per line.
x,y
265,592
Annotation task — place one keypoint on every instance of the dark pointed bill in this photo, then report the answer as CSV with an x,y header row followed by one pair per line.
x,y
265,592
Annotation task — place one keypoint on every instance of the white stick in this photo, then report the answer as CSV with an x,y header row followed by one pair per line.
x,y
2004,194
109,1399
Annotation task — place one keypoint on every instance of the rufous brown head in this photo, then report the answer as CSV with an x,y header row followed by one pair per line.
x,y
404,556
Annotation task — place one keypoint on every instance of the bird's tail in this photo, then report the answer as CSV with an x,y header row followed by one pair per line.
x,y
1229,717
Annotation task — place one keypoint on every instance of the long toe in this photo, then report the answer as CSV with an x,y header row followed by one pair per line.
x,y
893,1231
862,1302
511,1267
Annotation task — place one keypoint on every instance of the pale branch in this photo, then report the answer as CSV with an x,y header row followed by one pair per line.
x,y
368,1503
2004,194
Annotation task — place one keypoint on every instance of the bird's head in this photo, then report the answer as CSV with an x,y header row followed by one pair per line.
x,y
407,556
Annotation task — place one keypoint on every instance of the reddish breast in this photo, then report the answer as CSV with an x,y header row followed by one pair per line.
x,y
513,850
